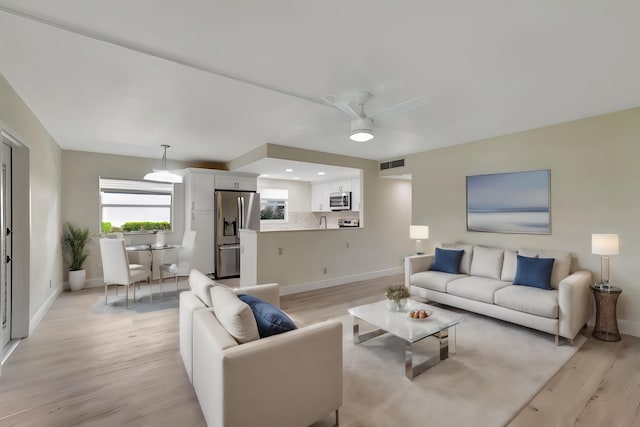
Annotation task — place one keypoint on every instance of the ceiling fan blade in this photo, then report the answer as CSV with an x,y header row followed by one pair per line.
x,y
403,107
346,108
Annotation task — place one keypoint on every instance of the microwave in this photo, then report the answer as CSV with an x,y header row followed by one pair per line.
x,y
340,201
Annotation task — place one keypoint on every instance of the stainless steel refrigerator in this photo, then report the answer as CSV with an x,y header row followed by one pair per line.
x,y
234,210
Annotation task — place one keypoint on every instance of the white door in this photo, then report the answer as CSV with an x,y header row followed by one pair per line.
x,y
6,243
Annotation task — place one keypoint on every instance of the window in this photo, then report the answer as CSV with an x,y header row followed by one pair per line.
x,y
135,206
274,205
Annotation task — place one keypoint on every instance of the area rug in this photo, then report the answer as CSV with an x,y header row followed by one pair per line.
x,y
142,303
497,369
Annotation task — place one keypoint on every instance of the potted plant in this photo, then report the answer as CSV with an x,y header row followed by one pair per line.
x,y
397,297
74,245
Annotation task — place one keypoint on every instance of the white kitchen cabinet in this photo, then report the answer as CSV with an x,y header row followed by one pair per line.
x,y
236,182
198,191
320,197
340,186
202,257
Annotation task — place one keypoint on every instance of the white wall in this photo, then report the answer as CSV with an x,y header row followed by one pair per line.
x,y
81,199
595,188
42,158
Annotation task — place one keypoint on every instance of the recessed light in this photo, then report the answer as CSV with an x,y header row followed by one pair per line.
x,y
265,175
288,170
320,173
296,177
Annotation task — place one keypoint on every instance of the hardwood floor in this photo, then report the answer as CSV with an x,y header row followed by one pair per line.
x,y
86,369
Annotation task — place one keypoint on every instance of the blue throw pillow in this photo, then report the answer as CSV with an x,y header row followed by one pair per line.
x,y
447,260
534,272
270,319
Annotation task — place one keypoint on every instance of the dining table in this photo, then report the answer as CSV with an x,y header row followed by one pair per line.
x,y
151,248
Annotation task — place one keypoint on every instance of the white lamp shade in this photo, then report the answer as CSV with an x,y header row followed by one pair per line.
x,y
604,244
418,232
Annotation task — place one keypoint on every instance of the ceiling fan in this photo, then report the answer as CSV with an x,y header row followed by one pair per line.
x,y
362,123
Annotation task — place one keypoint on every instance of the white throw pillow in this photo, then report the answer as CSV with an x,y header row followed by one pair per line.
x,y
509,265
201,286
234,315
487,262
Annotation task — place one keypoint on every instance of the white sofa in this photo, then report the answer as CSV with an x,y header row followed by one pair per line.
x,y
288,380
484,286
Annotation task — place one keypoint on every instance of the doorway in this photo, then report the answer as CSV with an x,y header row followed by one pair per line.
x,y
6,244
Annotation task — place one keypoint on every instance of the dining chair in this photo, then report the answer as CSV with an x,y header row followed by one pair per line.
x,y
116,270
120,235
182,266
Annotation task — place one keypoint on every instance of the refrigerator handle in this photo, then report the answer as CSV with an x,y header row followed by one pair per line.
x,y
239,213
242,218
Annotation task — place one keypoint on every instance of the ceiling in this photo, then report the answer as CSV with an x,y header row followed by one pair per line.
x,y
216,79
290,170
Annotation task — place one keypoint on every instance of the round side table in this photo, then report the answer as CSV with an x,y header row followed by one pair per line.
x,y
606,328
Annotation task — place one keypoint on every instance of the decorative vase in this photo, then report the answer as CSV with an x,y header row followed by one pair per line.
x,y
77,279
396,306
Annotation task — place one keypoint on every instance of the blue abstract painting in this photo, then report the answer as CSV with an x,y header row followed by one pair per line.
x,y
514,202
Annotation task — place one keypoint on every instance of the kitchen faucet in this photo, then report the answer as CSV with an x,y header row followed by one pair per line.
x,y
325,220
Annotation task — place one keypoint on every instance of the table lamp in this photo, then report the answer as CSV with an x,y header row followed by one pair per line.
x,y
417,233
604,245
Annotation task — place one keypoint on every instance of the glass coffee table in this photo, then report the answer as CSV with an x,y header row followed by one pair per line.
x,y
441,324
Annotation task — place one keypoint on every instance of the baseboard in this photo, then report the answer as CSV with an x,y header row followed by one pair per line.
x,y
89,283
337,281
94,283
35,320
629,327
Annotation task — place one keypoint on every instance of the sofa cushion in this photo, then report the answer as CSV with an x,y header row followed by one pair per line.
x,y
530,300
487,262
561,267
534,272
201,286
447,260
509,265
465,263
234,315
434,280
270,319
475,288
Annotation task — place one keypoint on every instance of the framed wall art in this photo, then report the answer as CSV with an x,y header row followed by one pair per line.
x,y
512,202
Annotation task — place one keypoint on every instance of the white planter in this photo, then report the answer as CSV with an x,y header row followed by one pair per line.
x,y
77,279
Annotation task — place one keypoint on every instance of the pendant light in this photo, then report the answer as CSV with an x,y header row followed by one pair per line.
x,y
162,174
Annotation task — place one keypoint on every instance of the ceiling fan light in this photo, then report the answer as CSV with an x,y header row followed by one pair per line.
x,y
362,130
361,136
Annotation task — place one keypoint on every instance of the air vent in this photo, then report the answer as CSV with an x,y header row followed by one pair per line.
x,y
392,164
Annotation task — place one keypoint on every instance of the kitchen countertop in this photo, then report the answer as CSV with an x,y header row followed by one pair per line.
x,y
311,229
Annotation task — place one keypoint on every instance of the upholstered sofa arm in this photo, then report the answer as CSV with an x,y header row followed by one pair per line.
x,y
189,303
573,302
269,292
415,263
289,380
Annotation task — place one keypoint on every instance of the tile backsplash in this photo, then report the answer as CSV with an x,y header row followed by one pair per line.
x,y
308,220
